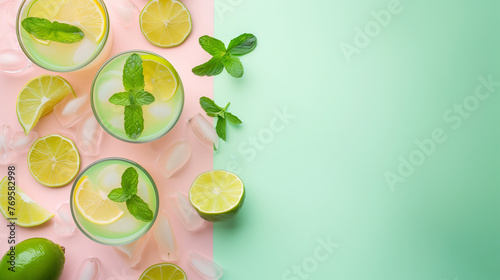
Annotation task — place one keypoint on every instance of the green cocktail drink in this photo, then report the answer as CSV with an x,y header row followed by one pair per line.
x,y
90,16
104,220
161,81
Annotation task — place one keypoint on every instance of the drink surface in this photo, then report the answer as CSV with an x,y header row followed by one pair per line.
x,y
105,176
60,56
159,117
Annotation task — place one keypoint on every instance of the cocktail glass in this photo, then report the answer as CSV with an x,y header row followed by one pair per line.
x,y
91,51
105,175
159,116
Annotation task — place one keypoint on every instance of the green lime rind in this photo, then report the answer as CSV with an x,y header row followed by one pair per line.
x,y
35,259
224,216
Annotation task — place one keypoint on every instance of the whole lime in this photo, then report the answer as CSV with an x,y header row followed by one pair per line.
x,y
34,259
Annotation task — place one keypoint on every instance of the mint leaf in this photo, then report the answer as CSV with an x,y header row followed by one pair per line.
x,y
233,65
210,68
130,179
242,44
213,46
121,98
139,209
128,194
232,119
118,195
44,29
209,106
133,77
134,121
143,98
221,57
220,128
214,110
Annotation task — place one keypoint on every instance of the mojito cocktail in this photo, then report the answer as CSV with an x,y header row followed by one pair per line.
x,y
137,96
114,201
64,35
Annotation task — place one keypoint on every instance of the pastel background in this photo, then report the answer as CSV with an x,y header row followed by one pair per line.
x,y
318,204
79,247
369,146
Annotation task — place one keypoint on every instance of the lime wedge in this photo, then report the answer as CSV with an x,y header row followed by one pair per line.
x,y
27,212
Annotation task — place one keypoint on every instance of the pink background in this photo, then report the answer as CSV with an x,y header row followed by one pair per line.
x,y
78,247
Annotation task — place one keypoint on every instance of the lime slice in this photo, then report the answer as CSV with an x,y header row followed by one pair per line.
x,y
47,9
165,23
27,212
90,16
38,97
159,79
94,204
53,160
163,271
217,195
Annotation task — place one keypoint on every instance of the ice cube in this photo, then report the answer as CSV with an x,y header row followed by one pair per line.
x,y
110,177
185,211
204,131
5,138
174,158
21,142
132,252
159,110
117,122
63,222
13,61
89,134
84,51
111,83
89,269
126,11
206,268
71,109
165,238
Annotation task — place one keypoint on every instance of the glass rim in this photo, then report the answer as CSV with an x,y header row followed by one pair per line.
x,y
73,207
94,56
96,115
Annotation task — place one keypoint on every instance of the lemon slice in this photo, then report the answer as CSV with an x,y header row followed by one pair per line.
x,y
163,271
90,16
159,80
47,9
94,205
165,23
53,160
38,97
217,195
27,212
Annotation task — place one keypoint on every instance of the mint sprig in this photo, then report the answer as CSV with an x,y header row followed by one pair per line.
x,y
133,97
44,29
225,58
213,110
128,194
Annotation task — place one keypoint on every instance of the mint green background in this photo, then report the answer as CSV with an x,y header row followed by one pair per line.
x,y
323,174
